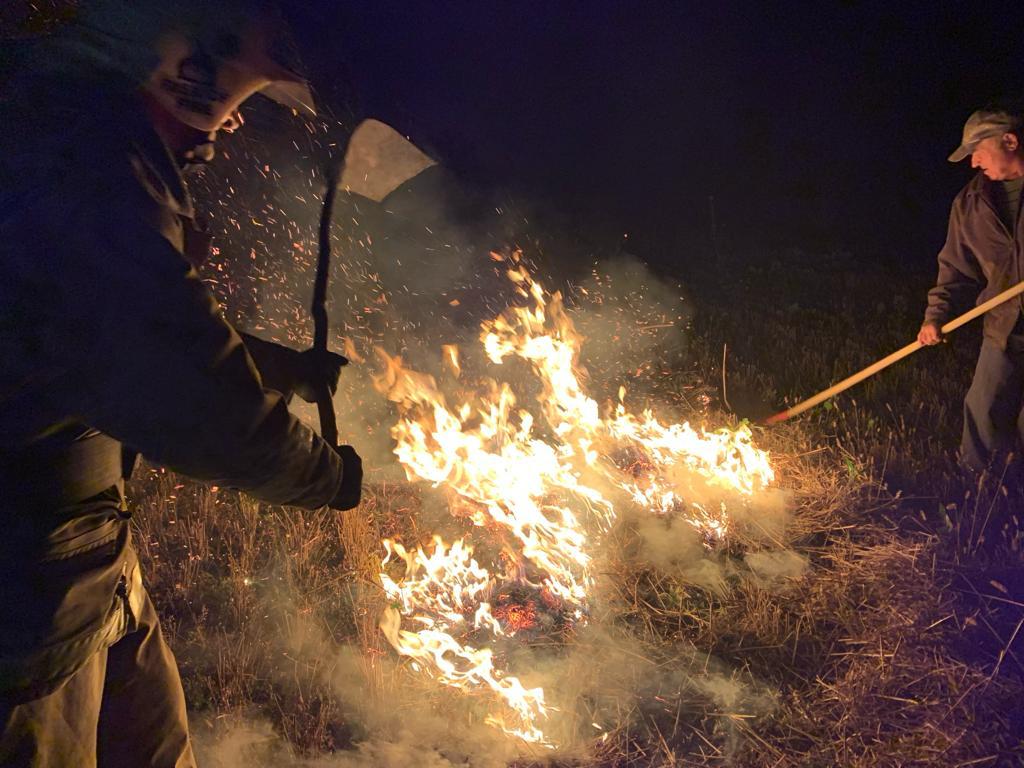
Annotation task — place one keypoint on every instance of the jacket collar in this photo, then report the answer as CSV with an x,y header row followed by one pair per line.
x,y
98,103
982,187
157,167
979,185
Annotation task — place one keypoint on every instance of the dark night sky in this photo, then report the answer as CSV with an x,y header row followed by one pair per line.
x,y
825,126
811,123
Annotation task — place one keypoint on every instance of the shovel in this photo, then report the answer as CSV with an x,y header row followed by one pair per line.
x,y
377,161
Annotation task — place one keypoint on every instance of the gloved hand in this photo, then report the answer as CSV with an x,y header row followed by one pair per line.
x,y
289,371
351,481
313,369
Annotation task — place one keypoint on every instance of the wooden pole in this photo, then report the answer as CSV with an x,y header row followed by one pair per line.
x,y
885,362
324,401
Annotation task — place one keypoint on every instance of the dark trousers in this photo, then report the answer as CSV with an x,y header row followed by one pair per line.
x,y
993,422
123,709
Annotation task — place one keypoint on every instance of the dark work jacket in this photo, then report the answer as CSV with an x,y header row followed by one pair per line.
x,y
980,259
106,329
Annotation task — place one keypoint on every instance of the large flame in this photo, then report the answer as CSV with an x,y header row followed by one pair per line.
x,y
546,487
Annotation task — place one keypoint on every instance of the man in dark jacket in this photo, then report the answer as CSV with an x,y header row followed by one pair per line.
x,y
983,256
110,344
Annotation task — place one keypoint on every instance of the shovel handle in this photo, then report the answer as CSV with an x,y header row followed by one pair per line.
x,y
899,354
324,401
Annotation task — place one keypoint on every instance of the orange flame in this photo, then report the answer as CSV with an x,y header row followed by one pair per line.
x,y
551,490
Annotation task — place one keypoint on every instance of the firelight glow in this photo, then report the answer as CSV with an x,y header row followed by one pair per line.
x,y
545,482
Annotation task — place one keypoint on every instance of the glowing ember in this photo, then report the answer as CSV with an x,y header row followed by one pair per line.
x,y
546,487
517,616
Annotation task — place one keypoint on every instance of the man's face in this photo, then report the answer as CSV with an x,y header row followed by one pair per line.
x,y
999,157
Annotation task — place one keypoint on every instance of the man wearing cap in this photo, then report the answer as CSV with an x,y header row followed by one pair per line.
x,y
983,256
110,344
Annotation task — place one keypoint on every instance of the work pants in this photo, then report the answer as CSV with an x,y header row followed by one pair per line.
x,y
124,709
993,421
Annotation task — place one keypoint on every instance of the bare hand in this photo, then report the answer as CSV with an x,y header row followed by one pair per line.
x,y
930,333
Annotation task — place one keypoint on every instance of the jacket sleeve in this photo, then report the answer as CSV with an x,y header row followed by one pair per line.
x,y
960,277
275,363
160,369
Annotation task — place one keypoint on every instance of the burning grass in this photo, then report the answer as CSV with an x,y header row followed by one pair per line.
x,y
851,660
837,632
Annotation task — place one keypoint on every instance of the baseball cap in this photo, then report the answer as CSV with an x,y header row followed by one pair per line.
x,y
124,37
981,125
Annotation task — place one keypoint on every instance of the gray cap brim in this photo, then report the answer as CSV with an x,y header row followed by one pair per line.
x,y
960,153
294,95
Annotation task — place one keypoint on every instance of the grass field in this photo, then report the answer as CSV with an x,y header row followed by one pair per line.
x,y
878,625
890,637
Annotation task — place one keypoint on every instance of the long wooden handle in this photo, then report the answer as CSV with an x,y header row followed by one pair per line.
x,y
324,401
885,362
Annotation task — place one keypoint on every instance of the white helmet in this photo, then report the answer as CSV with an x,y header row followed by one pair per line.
x,y
200,59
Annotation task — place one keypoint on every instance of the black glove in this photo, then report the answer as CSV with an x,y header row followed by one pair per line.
x,y
351,488
313,369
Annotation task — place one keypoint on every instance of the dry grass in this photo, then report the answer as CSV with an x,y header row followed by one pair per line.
x,y
896,647
250,594
868,658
